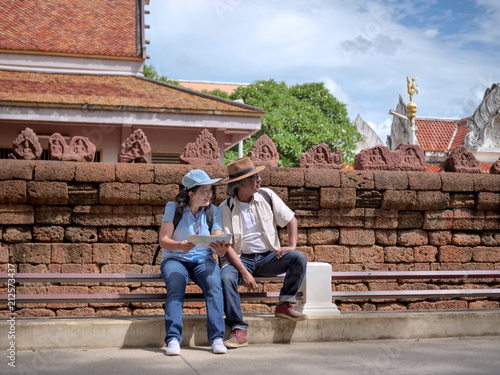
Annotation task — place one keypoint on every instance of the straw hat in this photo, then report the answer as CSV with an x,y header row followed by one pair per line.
x,y
241,169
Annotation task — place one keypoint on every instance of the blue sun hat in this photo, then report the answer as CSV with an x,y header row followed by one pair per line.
x,y
197,177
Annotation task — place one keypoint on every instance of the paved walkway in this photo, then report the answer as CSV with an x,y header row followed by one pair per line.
x,y
466,356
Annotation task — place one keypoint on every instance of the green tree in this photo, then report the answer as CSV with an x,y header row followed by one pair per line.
x,y
298,118
149,71
217,92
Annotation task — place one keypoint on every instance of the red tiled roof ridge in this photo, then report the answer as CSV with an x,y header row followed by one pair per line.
x,y
211,82
446,119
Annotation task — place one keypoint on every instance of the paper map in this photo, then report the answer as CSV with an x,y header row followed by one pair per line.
x,y
204,241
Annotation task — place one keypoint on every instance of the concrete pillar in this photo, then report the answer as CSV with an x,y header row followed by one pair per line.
x,y
317,291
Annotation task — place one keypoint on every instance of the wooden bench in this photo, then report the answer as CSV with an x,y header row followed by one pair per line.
x,y
249,296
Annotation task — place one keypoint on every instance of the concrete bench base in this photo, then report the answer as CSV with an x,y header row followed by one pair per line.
x,y
120,332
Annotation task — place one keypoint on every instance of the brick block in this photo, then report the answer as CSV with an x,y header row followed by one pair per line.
x,y
112,215
368,198
301,237
12,214
136,173
121,268
48,233
467,219
451,305
31,268
142,235
16,169
462,200
13,191
348,217
386,237
79,311
486,182
488,201
290,177
56,215
465,239
79,253
399,200
425,254
366,254
171,174
155,194
303,199
424,181
111,253
357,179
119,193
486,254
308,251
17,234
81,234
35,253
322,236
54,170
394,254
381,219
83,194
158,212
455,254
331,254
4,256
80,268
281,192
438,220
390,180
484,305
410,219
95,172
457,181
315,178
491,220
412,237
143,254
356,236
112,234
432,200
308,219
47,192
490,238
337,198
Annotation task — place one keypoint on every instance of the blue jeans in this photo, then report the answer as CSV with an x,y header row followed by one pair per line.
x,y
294,263
206,275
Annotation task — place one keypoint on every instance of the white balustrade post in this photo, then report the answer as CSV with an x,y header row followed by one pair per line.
x,y
317,291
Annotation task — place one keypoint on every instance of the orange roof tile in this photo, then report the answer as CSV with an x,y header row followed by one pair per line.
x,y
460,136
435,135
434,168
70,26
108,91
485,167
209,86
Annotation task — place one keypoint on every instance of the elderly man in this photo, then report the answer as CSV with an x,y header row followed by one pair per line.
x,y
251,214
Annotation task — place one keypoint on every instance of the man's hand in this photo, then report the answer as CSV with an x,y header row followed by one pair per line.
x,y
281,251
248,280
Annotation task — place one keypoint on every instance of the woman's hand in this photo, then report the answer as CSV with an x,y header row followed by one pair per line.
x,y
220,248
186,246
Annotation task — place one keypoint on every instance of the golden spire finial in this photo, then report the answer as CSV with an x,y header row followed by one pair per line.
x,y
411,108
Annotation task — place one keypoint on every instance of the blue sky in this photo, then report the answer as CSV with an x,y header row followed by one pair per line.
x,y
362,50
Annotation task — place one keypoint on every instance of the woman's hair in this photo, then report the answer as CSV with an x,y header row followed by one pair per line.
x,y
232,188
182,199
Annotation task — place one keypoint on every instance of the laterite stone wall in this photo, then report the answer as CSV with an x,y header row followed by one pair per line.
x,y
104,217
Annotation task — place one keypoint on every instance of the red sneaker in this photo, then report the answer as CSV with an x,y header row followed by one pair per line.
x,y
237,339
286,310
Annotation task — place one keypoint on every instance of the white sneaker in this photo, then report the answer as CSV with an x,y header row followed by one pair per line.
x,y
218,347
173,347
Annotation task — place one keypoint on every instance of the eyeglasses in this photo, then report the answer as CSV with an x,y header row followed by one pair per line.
x,y
255,177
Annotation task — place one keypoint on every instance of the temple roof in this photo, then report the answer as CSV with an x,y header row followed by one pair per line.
x,y
88,27
110,92
441,135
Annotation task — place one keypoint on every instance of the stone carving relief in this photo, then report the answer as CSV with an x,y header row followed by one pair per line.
x,y
135,148
495,168
79,149
264,152
204,150
320,156
405,157
483,120
462,161
26,146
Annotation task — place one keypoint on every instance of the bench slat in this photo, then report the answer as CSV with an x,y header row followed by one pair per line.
x,y
442,293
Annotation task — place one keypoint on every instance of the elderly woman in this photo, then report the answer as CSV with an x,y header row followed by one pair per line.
x,y
181,260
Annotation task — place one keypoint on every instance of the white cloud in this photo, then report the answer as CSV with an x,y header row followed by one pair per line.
x,y
431,33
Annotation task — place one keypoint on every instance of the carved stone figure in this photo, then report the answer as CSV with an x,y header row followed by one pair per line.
x,y
26,146
264,152
462,161
375,158
408,158
79,149
135,148
204,150
495,168
320,156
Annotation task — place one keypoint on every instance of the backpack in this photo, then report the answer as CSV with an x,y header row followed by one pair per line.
x,y
177,218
